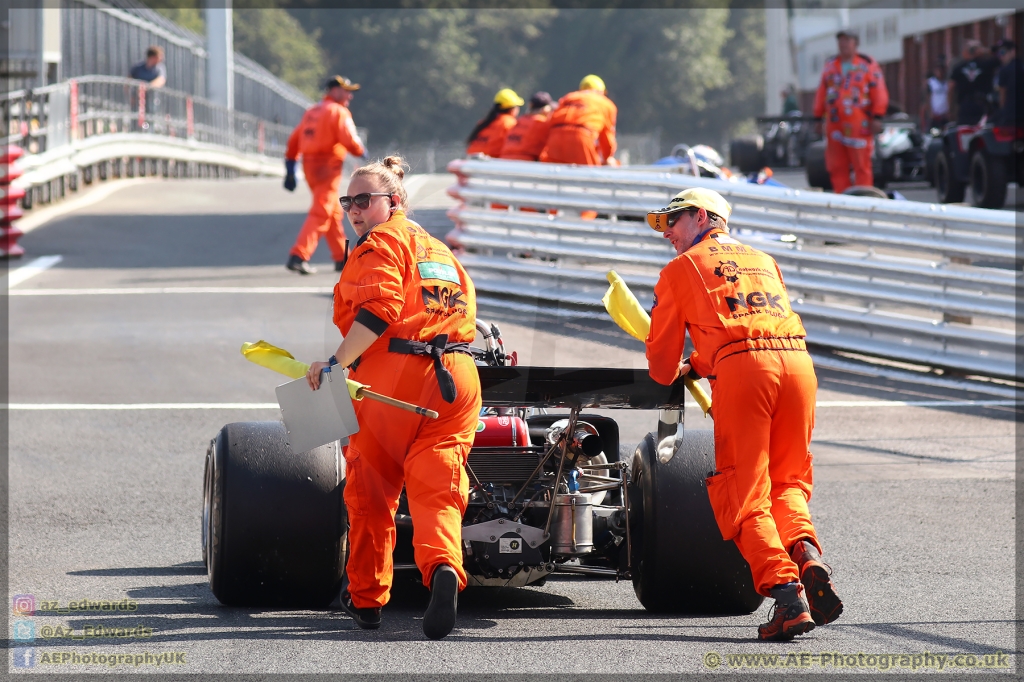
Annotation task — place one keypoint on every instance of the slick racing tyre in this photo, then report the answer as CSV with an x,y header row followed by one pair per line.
x,y
681,564
817,171
746,153
988,180
274,523
947,186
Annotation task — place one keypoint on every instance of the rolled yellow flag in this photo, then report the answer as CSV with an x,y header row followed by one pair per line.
x,y
627,312
283,362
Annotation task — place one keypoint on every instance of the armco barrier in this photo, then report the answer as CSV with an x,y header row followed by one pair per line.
x,y
922,283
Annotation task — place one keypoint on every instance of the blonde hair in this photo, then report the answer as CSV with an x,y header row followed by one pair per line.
x,y
388,172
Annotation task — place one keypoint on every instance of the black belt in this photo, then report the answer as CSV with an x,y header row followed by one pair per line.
x,y
434,349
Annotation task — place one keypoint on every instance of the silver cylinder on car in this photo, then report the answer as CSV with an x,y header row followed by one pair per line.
x,y
586,440
572,528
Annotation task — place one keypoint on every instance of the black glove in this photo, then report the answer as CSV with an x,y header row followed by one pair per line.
x,y
289,178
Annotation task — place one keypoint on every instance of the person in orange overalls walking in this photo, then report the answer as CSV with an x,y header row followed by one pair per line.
x,y
407,311
853,98
526,140
489,134
749,343
583,127
323,137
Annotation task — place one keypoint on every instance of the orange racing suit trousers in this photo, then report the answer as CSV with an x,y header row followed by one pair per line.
x,y
393,447
840,159
764,414
325,215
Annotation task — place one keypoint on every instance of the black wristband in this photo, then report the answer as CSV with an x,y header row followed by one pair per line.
x,y
332,361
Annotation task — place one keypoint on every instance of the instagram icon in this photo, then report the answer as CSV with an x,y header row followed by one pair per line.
x,y
24,604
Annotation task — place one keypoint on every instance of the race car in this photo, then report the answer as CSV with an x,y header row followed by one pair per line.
x,y
549,493
982,157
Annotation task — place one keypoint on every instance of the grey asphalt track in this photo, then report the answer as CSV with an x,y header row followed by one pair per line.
x,y
914,504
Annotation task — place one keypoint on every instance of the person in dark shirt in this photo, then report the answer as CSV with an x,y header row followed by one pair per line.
x,y
152,69
970,83
1009,81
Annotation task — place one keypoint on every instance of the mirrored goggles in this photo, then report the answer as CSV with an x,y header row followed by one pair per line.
x,y
362,201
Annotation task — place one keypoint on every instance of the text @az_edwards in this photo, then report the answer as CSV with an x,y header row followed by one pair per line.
x,y
95,630
837,660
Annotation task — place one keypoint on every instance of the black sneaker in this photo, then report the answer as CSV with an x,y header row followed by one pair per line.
x,y
791,616
367,619
439,618
296,264
821,591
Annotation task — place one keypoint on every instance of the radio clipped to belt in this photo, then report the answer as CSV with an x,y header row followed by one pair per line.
x,y
435,349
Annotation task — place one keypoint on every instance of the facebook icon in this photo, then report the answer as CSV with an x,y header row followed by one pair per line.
x,y
24,657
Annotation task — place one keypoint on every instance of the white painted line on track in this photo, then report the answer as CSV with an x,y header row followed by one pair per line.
x,y
268,406
41,264
171,290
916,403
142,406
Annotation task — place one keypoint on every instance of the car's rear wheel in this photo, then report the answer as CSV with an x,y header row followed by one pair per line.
x,y
681,564
274,523
817,170
949,189
746,153
988,180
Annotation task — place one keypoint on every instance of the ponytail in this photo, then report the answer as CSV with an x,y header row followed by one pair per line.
x,y
388,173
495,111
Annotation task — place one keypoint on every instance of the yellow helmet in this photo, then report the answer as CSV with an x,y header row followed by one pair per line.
x,y
507,98
592,82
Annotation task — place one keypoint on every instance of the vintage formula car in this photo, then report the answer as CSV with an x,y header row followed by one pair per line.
x,y
549,493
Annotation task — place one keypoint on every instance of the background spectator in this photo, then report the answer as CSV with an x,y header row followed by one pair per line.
x,y
970,83
935,103
151,70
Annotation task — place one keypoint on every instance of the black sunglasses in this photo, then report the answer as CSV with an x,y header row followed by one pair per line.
x,y
672,218
362,201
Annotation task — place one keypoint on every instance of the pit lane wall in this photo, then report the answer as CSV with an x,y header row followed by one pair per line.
x,y
926,284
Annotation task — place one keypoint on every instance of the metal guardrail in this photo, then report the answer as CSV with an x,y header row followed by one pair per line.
x,y
921,283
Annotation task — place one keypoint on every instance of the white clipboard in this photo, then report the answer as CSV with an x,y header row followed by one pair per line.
x,y
315,418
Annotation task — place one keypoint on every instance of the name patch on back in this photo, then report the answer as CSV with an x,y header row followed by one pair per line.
x,y
441,271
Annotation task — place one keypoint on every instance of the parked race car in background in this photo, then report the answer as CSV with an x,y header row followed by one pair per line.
x,y
710,164
549,493
781,142
899,155
984,158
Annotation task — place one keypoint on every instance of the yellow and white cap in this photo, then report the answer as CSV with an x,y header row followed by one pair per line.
x,y
695,197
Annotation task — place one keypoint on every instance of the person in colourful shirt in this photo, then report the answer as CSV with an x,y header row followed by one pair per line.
x,y
852,97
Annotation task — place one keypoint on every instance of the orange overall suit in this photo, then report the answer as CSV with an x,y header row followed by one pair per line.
x,y
850,101
749,343
490,140
582,130
526,140
323,137
408,287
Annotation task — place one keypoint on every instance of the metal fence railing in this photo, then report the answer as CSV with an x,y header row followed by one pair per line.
x,y
43,119
108,38
921,283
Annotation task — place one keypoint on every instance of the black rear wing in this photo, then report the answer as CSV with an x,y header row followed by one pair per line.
x,y
584,387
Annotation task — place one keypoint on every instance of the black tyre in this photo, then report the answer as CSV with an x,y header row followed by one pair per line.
x,y
931,154
817,171
274,524
746,153
949,189
988,180
865,191
881,172
680,562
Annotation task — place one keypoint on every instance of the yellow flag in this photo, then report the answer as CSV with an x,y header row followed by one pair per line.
x,y
283,362
627,312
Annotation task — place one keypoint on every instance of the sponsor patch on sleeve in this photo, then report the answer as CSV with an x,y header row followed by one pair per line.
x,y
442,271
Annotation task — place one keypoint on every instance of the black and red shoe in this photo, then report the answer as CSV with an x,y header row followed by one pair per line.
x,y
791,616
815,576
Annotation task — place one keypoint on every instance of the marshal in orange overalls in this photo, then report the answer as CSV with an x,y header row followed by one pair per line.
x,y
582,130
526,140
749,343
491,139
323,137
408,287
850,101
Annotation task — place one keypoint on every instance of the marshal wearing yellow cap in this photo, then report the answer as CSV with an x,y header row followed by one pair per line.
x,y
748,342
488,137
583,127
